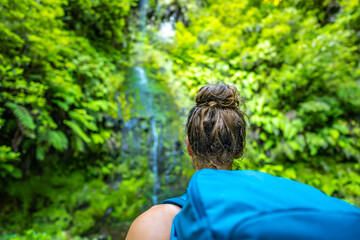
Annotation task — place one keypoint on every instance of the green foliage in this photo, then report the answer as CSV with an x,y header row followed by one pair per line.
x,y
67,167
23,115
106,19
30,234
57,75
7,160
75,203
58,140
57,91
77,126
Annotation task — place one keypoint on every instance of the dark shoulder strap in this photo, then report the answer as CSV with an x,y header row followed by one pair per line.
x,y
178,201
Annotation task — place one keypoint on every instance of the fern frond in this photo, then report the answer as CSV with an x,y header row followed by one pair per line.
x,y
23,115
58,140
78,144
81,116
77,130
61,104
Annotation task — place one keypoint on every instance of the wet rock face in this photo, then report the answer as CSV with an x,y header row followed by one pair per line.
x,y
148,130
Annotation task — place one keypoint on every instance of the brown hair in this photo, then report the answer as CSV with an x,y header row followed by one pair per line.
x,y
216,127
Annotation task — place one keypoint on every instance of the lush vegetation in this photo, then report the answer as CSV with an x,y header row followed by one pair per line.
x,y
78,128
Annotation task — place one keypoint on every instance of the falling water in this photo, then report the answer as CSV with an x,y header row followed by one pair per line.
x,y
140,72
142,8
147,98
140,98
144,107
155,160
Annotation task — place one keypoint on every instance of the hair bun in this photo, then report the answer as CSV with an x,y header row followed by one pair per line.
x,y
218,95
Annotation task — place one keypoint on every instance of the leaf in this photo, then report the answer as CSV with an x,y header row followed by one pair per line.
x,y
58,140
78,144
334,134
77,130
81,116
23,115
16,173
6,154
290,173
8,167
40,153
61,104
97,138
268,144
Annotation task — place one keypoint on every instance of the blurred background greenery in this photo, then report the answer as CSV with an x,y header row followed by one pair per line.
x,y
94,95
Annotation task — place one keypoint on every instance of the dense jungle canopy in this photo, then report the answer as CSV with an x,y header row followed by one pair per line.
x,y
94,95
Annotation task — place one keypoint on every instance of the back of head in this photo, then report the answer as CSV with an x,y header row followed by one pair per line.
x,y
216,127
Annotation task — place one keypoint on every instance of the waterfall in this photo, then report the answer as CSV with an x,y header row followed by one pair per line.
x,y
146,141
141,133
155,161
147,97
142,17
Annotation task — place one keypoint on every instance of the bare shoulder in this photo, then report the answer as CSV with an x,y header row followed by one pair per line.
x,y
155,223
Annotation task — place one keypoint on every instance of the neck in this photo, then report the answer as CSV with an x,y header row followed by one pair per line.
x,y
214,167
197,164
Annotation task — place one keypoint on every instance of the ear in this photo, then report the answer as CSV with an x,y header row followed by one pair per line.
x,y
188,146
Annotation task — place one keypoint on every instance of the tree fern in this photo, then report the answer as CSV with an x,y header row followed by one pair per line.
x,y
23,115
